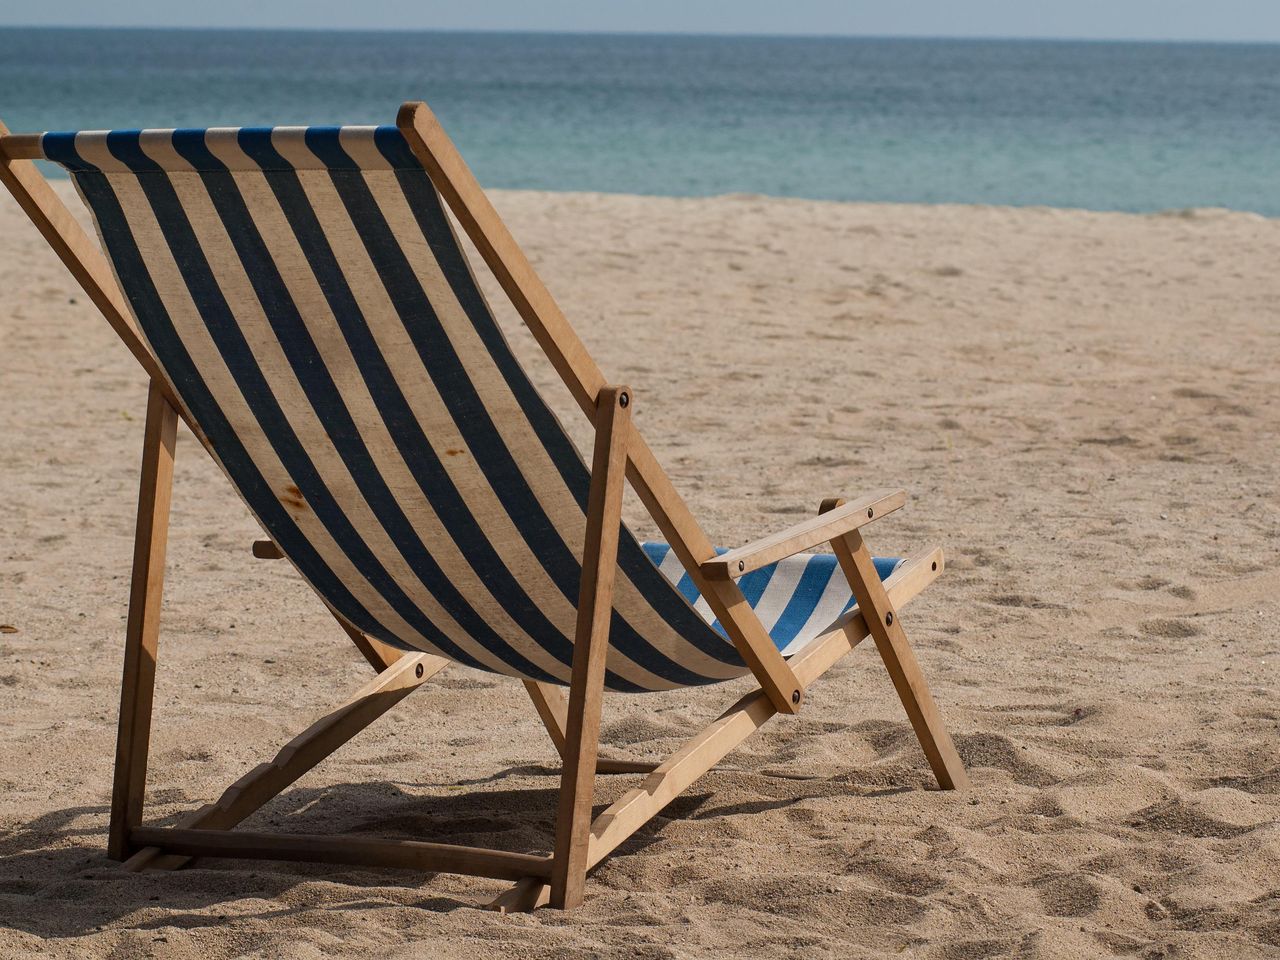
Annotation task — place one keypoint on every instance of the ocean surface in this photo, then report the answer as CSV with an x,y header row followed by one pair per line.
x,y
1107,126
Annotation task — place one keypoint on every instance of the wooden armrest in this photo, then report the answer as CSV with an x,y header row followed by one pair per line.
x,y
803,536
267,550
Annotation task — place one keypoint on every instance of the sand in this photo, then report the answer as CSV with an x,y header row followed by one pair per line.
x,y
1083,408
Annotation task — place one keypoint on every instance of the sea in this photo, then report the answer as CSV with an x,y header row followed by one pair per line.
x,y
1103,126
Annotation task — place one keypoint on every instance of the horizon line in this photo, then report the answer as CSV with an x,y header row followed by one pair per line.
x,y
694,34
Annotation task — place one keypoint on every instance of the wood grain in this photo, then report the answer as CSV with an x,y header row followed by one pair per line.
x,y
591,646
908,679
804,535
354,851
142,631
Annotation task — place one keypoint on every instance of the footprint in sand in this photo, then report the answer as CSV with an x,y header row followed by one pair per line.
x,y
1169,627
1068,895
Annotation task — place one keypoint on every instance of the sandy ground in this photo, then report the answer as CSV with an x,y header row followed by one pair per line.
x,y
1084,410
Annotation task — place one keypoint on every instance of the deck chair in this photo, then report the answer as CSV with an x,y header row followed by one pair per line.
x,y
299,298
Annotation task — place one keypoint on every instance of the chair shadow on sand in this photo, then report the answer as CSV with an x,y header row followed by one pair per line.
x,y
60,857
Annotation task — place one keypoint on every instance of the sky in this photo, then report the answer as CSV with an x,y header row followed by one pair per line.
x,y
1230,20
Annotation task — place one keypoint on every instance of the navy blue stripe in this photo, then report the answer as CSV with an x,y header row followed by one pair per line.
x,y
149,308
470,413
885,565
754,584
519,500
392,145
226,334
656,552
805,595
61,148
313,376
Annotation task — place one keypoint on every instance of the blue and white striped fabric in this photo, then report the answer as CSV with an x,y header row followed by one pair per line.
x,y
305,294
796,598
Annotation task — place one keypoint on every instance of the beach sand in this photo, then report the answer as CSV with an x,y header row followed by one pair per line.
x,y
1083,409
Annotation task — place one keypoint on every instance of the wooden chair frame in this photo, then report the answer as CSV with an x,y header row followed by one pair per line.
x,y
620,453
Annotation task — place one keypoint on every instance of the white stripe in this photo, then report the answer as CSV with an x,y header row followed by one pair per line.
x,y
829,606
671,567
779,591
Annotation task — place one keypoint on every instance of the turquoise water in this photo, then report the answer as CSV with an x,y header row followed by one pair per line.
x,y
1114,126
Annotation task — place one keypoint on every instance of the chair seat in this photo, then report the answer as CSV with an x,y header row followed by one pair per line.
x,y
796,599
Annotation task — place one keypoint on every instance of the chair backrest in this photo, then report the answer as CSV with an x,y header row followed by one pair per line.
x,y
307,298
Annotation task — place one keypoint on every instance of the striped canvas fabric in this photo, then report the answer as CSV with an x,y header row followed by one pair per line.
x,y
306,296
796,598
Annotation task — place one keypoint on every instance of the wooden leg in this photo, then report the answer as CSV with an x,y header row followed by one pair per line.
x,y
143,628
591,647
913,689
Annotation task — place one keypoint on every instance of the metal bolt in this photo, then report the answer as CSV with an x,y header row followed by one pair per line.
x,y
742,565
934,565
795,696
623,400
888,619
870,513
417,671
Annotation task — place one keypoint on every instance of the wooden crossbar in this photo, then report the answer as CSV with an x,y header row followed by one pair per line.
x,y
355,851
22,146
636,808
804,535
